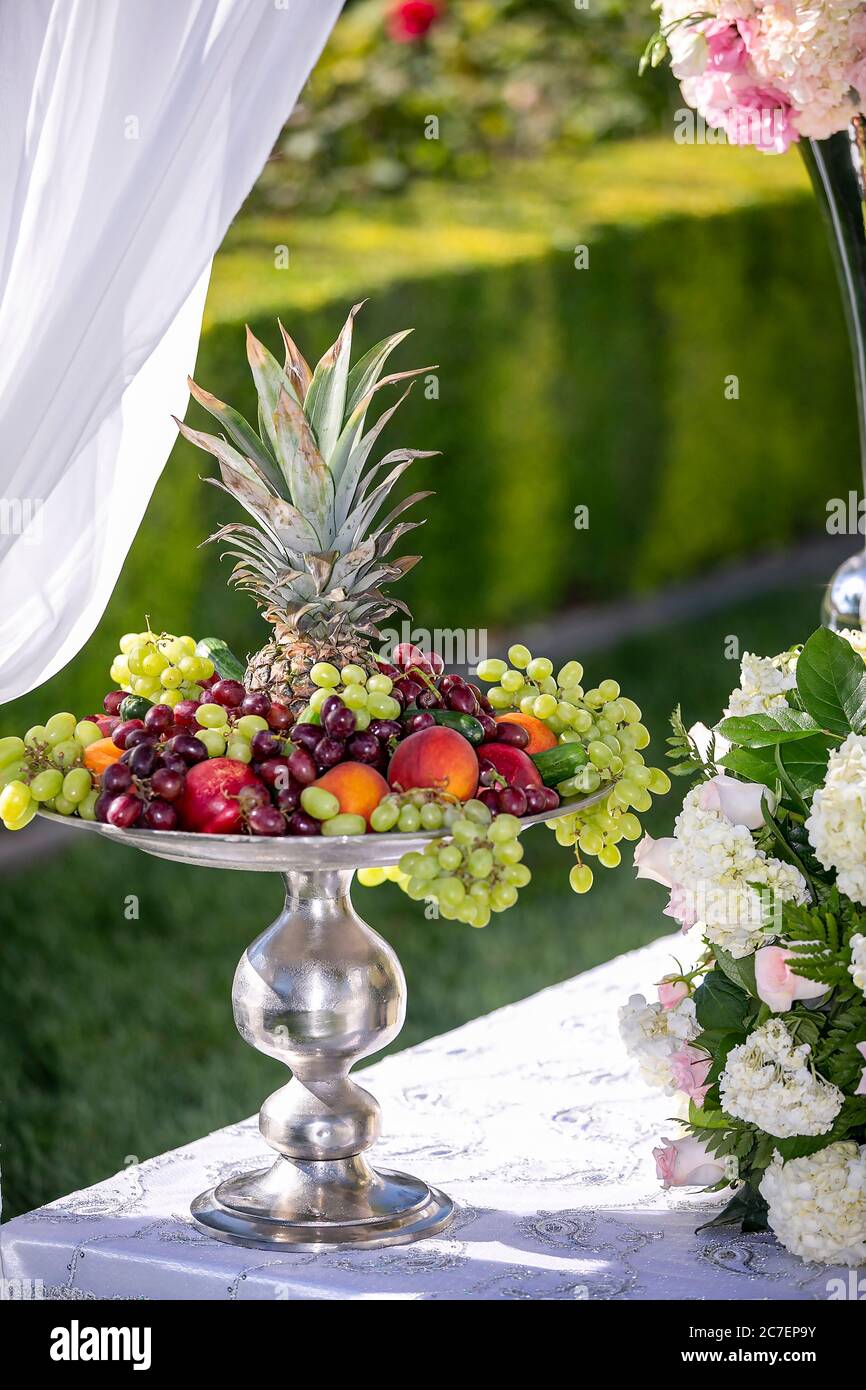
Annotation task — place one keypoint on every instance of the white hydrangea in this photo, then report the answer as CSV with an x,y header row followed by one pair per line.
x,y
763,683
857,968
715,863
768,1082
817,1204
837,823
652,1034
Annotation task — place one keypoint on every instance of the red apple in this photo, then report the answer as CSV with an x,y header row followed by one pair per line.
x,y
512,763
209,801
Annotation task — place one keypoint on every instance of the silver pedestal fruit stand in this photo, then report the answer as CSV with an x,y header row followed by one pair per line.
x,y
318,990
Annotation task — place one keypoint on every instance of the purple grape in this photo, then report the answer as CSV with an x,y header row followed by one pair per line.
x,y
257,703
124,810
159,718
274,772
450,682
385,729
160,816
113,700
136,737
302,767
250,798
363,747
173,762
142,760
552,796
513,734
535,800
266,820
461,698
116,778
429,699
512,801
339,722
167,783
186,746
184,713
280,717
102,804
330,751
408,689
489,725
265,745
230,694
307,735
422,719
490,797
122,732
286,799
302,824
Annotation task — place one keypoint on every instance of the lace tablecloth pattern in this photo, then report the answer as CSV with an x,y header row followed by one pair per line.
x,y
532,1118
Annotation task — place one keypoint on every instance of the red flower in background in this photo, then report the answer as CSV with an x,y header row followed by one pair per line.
x,y
410,19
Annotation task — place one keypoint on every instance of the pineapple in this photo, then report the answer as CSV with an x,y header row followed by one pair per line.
x,y
317,557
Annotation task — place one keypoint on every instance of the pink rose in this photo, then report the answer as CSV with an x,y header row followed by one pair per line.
x,y
689,1068
702,737
777,984
681,906
687,1163
671,992
739,802
748,114
861,1085
652,859
727,49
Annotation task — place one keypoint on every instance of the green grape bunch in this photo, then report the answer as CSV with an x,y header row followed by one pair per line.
x,y
608,725
45,768
160,667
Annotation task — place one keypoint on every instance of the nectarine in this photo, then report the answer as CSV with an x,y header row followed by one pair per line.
x,y
435,757
358,788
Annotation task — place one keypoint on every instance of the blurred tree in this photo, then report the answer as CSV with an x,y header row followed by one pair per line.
x,y
412,88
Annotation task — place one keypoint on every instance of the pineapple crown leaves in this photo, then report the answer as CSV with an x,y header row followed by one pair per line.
x,y
316,550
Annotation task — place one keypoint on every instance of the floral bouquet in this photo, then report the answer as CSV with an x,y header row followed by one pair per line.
x,y
764,1039
766,72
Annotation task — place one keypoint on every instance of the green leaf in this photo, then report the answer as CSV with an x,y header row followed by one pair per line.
x,y
325,402
720,1005
763,730
309,478
270,380
755,765
707,1118
831,681
740,972
805,762
243,434
365,373
746,1209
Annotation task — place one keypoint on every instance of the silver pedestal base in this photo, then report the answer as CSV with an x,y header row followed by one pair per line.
x,y
318,1206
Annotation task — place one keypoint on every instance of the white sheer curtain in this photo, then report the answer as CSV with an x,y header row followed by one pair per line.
x,y
130,133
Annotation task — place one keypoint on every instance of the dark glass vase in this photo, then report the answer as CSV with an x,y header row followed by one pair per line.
x,y
836,167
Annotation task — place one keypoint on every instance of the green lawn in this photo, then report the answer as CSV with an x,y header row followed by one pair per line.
x,y
116,1037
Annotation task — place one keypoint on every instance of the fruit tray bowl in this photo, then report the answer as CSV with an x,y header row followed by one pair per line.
x,y
288,853
318,991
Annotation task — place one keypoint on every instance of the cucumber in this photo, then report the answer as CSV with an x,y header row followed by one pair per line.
x,y
465,724
228,667
135,707
559,763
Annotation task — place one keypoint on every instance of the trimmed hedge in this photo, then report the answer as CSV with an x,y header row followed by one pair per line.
x,y
557,388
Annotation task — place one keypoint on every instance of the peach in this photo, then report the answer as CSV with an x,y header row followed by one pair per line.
x,y
436,757
540,737
357,787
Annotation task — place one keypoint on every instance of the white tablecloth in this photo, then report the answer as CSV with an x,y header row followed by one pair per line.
x,y
532,1118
